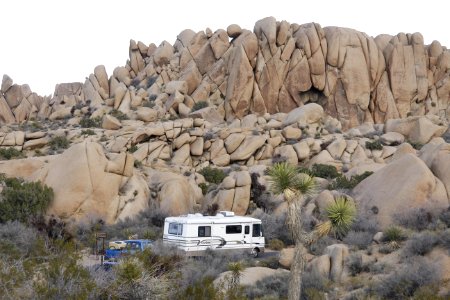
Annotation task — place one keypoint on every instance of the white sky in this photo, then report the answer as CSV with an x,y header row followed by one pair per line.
x,y
44,42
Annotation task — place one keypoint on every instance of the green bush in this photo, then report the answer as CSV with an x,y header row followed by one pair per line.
x,y
324,171
375,145
276,244
10,153
204,187
88,132
59,142
118,115
23,200
213,175
133,148
199,105
341,182
393,234
87,122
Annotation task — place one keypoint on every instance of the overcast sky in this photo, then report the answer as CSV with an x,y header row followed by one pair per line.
x,y
47,41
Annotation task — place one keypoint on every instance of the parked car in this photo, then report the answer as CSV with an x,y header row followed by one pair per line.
x,y
117,244
131,247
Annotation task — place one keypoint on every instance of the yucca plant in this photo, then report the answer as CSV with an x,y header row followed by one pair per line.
x,y
341,215
294,186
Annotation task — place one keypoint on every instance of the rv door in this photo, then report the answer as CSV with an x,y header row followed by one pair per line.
x,y
248,233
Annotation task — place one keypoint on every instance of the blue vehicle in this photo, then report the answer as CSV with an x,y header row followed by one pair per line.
x,y
132,247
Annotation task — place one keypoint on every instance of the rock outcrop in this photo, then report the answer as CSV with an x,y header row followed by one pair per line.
x,y
276,68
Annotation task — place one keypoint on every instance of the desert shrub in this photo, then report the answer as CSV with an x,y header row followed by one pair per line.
x,y
444,216
375,145
87,122
201,289
58,143
420,244
118,114
274,226
204,186
22,200
319,246
359,239
133,148
365,223
355,264
393,234
270,262
342,182
10,153
276,244
259,195
137,163
199,105
389,247
17,237
324,171
87,132
148,103
444,239
403,283
416,219
314,286
271,287
213,175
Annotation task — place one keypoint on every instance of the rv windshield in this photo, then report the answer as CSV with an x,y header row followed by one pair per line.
x,y
176,228
256,230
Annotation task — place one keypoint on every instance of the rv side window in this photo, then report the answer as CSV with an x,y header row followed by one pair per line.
x,y
176,228
232,229
204,231
247,229
256,230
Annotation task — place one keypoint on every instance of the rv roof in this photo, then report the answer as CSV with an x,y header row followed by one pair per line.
x,y
218,219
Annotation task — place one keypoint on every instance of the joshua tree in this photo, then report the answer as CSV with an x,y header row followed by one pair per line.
x,y
294,186
341,214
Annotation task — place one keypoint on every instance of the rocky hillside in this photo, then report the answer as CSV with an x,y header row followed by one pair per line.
x,y
231,103
276,68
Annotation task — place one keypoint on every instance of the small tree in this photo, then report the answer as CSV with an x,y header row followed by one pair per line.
x,y
22,200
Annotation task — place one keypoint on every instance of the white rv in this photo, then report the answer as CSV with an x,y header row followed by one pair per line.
x,y
195,233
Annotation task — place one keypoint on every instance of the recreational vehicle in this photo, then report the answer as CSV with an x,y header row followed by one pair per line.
x,y
195,233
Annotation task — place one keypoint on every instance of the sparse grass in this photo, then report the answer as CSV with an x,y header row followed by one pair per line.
x,y
87,132
394,234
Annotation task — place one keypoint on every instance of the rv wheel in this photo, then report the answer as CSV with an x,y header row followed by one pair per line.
x,y
254,252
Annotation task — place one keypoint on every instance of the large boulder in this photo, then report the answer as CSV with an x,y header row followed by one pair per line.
x,y
86,183
172,192
437,157
403,184
306,114
418,130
